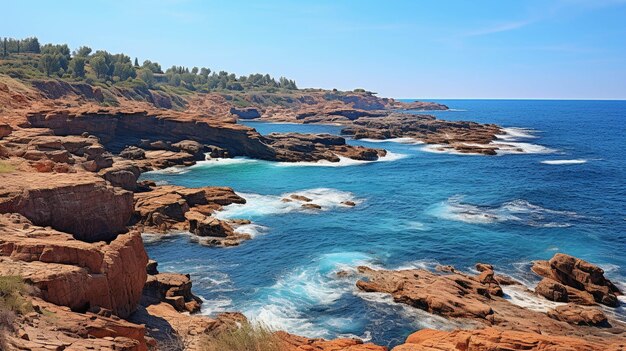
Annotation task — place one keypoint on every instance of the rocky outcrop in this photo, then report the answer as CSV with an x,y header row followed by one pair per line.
x,y
82,204
120,128
478,300
465,137
298,343
491,339
568,278
52,327
72,273
577,315
171,288
295,147
163,208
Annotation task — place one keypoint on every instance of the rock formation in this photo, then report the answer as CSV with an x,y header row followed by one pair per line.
x,y
568,278
491,339
82,204
479,300
72,273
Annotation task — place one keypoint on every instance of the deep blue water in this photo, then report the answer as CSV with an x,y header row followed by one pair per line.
x,y
416,211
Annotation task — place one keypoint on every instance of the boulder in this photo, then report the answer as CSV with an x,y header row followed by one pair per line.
x,y
582,279
133,153
578,315
172,288
552,290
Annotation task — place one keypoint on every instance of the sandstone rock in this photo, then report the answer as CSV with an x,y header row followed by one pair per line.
x,y
300,198
473,299
575,314
188,332
295,147
80,204
5,130
133,153
192,147
122,174
581,278
172,288
73,273
298,343
311,206
53,327
491,339
552,290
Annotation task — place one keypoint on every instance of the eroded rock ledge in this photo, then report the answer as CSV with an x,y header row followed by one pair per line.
x,y
480,299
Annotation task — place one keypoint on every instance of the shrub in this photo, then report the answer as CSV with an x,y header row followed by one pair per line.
x,y
12,291
6,167
12,303
247,337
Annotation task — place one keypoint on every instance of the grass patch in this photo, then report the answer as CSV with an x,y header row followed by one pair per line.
x,y
247,337
6,167
12,291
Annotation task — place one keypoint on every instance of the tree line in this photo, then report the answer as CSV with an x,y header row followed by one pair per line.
x,y
84,64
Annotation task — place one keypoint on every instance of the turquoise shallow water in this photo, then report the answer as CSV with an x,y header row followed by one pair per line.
x,y
417,209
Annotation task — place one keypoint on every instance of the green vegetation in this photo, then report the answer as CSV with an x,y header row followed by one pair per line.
x,y
6,167
12,303
12,292
247,337
27,59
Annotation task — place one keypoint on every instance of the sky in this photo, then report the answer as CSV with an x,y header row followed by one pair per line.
x,y
546,49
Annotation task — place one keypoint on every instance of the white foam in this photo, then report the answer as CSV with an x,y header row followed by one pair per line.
x,y
170,170
507,144
519,211
514,133
564,162
263,205
394,140
284,305
521,296
216,162
516,148
343,161
251,229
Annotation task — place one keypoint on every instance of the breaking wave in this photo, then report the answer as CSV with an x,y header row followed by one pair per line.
x,y
518,211
263,205
564,162
291,303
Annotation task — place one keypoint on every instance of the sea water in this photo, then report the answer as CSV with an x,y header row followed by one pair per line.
x,y
559,187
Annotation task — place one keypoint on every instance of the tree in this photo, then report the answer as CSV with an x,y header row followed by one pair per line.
x,y
124,70
82,51
78,66
99,65
147,76
50,63
136,62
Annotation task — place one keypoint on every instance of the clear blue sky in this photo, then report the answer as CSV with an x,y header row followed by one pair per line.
x,y
421,49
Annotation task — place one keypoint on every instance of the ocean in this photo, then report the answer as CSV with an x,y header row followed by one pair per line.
x,y
561,189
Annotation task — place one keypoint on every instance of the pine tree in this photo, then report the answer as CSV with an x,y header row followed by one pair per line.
x,y
136,62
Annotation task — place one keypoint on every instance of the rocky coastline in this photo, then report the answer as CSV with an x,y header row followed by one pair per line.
x,y
72,210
